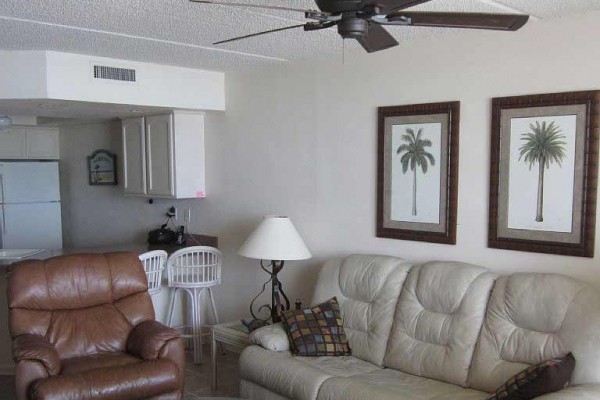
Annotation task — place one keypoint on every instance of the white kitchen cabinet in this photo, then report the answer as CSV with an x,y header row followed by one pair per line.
x,y
29,142
42,144
13,145
159,151
163,155
134,156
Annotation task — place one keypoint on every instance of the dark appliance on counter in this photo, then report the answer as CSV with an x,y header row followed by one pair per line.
x,y
163,235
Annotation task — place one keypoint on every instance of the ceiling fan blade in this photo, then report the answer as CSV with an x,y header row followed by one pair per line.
x,y
259,33
388,6
377,39
235,4
503,22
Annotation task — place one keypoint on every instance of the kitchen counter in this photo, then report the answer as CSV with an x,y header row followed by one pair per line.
x,y
194,240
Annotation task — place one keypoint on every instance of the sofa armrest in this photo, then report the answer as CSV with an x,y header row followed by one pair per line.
x,y
271,337
147,339
578,392
36,348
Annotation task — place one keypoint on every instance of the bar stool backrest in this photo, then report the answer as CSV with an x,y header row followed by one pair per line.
x,y
154,262
194,267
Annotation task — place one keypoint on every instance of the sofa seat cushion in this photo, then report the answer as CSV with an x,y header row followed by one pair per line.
x,y
131,381
102,360
296,377
389,384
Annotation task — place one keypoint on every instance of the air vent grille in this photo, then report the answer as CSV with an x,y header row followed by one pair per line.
x,y
114,74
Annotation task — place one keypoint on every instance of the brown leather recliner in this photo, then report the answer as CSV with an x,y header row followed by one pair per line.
x,y
83,328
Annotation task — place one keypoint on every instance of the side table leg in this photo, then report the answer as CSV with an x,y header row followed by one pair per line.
x,y
213,361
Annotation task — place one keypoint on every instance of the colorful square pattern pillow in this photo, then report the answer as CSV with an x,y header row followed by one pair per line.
x,y
536,380
316,331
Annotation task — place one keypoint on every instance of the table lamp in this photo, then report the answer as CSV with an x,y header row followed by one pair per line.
x,y
274,241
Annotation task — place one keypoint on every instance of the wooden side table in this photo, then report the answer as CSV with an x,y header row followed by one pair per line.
x,y
232,336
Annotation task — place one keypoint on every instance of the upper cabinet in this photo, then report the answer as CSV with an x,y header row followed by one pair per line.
x,y
134,156
163,156
29,143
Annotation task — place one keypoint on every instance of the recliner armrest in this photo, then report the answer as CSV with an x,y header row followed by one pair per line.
x,y
30,347
147,339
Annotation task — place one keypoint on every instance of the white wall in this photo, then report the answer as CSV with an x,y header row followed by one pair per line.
x,y
69,78
65,76
22,74
97,216
301,141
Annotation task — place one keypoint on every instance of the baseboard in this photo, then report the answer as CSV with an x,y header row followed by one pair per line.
x,y
7,369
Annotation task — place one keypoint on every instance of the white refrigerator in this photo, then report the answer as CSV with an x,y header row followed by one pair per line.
x,y
30,216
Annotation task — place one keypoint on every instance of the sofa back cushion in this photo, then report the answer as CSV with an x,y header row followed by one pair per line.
x,y
367,289
438,319
536,317
83,303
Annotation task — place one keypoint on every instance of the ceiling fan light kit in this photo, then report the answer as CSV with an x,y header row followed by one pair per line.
x,y
363,20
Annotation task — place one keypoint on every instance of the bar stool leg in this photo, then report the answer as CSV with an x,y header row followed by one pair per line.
x,y
214,308
171,308
197,326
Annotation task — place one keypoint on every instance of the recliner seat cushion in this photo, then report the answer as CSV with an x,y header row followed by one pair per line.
x,y
438,320
142,380
367,288
536,317
103,360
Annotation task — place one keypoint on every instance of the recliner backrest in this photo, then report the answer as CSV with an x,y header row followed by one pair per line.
x,y
367,288
438,319
532,318
84,303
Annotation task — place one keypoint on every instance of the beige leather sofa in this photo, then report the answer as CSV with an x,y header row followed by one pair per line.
x,y
441,330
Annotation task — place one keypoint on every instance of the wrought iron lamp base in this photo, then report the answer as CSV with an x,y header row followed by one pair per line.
x,y
277,293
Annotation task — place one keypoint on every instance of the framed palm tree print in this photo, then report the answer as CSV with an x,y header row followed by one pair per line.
x,y
543,177
418,172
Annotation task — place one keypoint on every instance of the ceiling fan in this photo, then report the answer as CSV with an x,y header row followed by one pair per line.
x,y
363,19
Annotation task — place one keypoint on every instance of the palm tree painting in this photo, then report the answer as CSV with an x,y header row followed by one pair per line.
x,y
413,154
542,145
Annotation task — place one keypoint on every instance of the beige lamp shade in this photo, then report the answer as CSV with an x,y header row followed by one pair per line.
x,y
275,238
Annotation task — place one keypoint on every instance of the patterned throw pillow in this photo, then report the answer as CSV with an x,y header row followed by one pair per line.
x,y
536,380
316,331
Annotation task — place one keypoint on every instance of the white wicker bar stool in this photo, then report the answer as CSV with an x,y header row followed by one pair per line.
x,y
154,263
193,270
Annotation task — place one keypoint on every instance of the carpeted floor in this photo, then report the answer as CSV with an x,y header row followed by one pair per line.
x,y
197,378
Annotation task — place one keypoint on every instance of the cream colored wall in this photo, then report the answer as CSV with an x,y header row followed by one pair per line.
x,y
98,215
301,141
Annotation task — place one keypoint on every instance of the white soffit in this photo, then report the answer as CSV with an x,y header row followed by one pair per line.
x,y
177,32
72,77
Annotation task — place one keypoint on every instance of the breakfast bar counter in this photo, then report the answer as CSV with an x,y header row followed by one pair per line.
x,y
192,240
